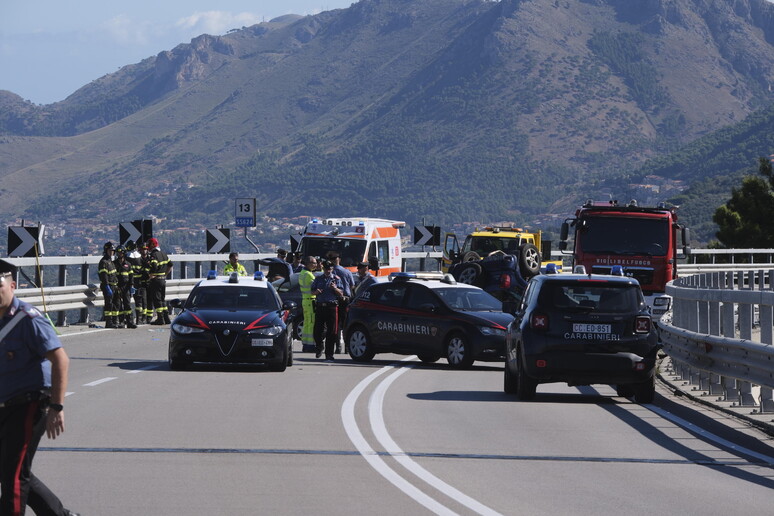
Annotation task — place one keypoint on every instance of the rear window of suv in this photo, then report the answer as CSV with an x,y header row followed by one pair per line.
x,y
592,295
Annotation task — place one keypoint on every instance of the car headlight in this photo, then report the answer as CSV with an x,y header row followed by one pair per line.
x,y
269,331
488,330
185,330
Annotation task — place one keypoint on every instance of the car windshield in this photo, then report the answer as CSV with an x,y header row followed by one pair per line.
x,y
232,298
591,296
351,251
469,299
632,236
485,245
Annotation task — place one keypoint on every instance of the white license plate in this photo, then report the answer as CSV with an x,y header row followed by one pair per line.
x,y
262,343
590,328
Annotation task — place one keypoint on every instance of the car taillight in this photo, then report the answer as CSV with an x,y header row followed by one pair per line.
x,y
538,322
505,281
642,324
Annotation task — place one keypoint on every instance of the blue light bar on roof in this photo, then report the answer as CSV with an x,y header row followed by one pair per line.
x,y
258,275
616,270
212,274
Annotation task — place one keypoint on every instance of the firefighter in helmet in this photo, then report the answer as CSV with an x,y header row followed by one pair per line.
x,y
108,283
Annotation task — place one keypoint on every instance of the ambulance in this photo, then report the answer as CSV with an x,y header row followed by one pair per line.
x,y
376,241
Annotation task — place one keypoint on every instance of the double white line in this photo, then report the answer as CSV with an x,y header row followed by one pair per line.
x,y
375,413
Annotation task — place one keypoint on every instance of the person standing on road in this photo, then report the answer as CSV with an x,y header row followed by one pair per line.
x,y
349,288
135,259
305,279
159,268
33,382
108,284
233,265
363,278
125,286
328,289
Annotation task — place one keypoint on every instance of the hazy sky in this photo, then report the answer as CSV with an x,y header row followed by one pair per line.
x,y
50,48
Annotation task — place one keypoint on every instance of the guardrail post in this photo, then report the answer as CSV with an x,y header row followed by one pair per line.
x,y
746,398
714,307
183,270
702,307
61,319
727,310
730,391
767,400
84,281
704,381
716,385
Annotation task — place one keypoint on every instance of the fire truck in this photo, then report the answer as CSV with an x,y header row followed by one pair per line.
x,y
642,240
376,241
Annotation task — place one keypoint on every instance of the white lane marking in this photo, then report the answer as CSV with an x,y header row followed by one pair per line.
x,y
376,414
82,333
146,368
97,382
373,459
708,435
68,393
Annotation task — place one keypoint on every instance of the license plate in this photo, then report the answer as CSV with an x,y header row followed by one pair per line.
x,y
590,328
262,343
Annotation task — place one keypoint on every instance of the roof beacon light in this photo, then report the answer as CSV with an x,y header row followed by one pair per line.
x,y
551,268
616,270
258,275
233,278
212,274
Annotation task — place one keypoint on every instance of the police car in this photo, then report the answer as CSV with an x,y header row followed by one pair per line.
x,y
429,315
581,329
232,320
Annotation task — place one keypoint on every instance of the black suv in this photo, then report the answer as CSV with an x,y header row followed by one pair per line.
x,y
581,329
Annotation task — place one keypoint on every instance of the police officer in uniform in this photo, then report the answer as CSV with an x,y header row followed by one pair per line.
x,y
125,286
328,289
158,268
33,382
108,283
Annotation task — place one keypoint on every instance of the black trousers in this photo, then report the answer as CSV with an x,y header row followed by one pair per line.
x,y
326,318
157,291
21,428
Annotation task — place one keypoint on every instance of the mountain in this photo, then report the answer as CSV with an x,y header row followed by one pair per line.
x,y
453,110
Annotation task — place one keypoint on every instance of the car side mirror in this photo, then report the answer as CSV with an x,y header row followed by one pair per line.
x,y
289,305
428,307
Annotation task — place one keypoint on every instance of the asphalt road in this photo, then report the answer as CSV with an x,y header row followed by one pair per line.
x,y
390,437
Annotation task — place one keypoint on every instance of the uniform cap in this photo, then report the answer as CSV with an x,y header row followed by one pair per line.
x,y
362,264
6,267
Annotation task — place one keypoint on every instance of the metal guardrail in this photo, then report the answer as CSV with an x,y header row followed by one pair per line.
x,y
720,334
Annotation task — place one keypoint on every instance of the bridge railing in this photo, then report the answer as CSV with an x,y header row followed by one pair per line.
x,y
719,334
63,298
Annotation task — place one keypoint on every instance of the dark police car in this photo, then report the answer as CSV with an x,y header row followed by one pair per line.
x,y
427,314
581,329
233,320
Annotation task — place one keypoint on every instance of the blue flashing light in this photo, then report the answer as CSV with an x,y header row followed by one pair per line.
x,y
401,275
212,274
258,275
551,268
617,270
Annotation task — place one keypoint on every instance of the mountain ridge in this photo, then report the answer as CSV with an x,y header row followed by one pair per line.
x,y
443,109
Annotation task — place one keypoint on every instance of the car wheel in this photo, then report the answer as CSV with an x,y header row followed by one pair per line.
x,y
427,359
624,391
645,391
509,381
471,256
529,260
298,329
360,347
468,273
525,386
459,352
290,353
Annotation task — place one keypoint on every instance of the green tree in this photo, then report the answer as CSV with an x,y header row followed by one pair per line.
x,y
745,221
